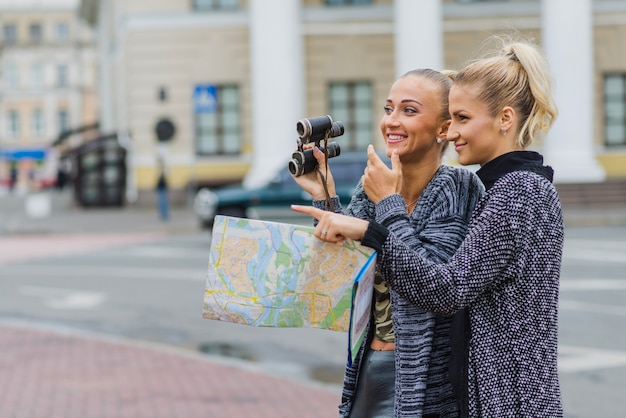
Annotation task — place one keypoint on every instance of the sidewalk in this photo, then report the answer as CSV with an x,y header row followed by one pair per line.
x,y
45,374
64,216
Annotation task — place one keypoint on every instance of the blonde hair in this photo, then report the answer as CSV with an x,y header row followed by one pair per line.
x,y
518,76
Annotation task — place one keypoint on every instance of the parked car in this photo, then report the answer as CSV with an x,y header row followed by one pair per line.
x,y
277,194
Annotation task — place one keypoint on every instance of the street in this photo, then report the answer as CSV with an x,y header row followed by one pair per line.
x,y
592,337
149,287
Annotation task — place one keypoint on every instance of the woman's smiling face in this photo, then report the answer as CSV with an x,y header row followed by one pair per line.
x,y
474,131
411,122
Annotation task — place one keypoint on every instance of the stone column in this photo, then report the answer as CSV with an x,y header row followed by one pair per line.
x,y
418,33
277,85
106,45
568,42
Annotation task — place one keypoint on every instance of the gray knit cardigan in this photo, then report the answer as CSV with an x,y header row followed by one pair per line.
x,y
435,229
506,272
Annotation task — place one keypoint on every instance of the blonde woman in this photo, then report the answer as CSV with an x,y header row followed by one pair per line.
x,y
402,367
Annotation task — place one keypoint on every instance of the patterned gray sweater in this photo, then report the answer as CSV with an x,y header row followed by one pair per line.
x,y
434,230
506,272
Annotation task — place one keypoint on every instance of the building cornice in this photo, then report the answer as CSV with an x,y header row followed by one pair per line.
x,y
367,20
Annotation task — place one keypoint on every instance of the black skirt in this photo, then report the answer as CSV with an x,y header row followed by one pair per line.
x,y
375,391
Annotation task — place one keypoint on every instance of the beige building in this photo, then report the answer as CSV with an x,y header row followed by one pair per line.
x,y
226,80
47,86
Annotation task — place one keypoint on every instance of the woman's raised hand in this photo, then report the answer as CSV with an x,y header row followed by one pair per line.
x,y
378,180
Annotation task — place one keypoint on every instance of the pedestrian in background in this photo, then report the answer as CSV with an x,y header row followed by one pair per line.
x,y
163,204
13,176
504,278
401,369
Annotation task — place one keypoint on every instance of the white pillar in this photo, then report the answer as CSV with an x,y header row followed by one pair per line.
x,y
105,81
568,42
277,74
418,35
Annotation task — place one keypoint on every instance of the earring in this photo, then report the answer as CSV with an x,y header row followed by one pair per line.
x,y
439,140
503,131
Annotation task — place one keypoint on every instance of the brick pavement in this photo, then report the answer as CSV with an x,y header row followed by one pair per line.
x,y
46,374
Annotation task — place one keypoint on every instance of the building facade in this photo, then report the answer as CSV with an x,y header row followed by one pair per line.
x,y
226,80
47,86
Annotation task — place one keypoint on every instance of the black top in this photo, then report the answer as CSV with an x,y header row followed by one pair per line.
x,y
161,183
460,332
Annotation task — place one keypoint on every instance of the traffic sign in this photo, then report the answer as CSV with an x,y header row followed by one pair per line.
x,y
205,98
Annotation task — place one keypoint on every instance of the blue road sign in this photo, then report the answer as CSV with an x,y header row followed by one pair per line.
x,y
205,98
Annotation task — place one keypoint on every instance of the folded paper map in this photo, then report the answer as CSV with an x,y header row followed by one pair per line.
x,y
271,274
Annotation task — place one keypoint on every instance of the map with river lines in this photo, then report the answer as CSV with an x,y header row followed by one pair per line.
x,y
271,274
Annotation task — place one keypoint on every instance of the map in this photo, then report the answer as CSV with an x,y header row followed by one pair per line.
x,y
271,274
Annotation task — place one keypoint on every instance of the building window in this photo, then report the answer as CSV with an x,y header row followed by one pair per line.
x,y
204,5
37,123
35,33
61,75
13,124
9,34
37,75
63,121
61,31
351,104
218,127
347,2
615,110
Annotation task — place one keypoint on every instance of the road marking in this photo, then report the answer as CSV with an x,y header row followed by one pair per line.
x,y
573,305
24,247
59,298
49,271
590,254
593,284
590,243
578,359
582,250
166,252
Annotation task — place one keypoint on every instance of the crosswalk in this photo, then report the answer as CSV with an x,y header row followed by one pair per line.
x,y
594,250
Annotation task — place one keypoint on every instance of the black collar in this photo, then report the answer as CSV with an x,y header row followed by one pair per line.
x,y
513,161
